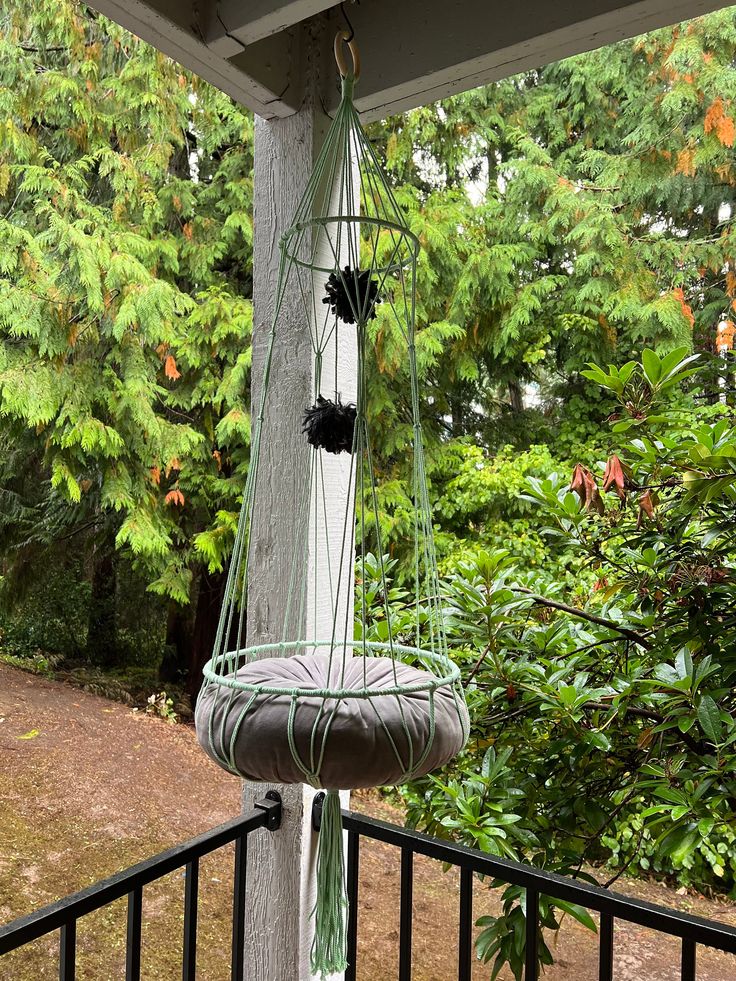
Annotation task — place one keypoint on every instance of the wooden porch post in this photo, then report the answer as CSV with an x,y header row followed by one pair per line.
x,y
281,866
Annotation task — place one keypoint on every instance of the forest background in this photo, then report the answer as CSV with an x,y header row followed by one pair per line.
x,y
578,215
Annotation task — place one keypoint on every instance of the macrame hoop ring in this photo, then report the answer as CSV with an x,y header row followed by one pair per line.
x,y
296,232
214,667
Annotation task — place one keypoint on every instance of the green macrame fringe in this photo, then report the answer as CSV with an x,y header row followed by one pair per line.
x,y
329,948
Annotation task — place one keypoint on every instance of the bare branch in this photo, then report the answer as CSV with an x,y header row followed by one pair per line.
x,y
573,611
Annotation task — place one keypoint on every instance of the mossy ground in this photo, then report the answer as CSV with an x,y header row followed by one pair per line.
x,y
88,788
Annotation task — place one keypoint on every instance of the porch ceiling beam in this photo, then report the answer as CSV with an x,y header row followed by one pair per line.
x,y
418,51
233,24
413,51
270,83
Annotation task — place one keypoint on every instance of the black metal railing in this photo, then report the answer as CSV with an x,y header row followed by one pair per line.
x,y
63,915
692,930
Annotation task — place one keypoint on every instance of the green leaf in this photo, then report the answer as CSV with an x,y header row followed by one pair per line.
x,y
600,740
568,694
705,826
710,719
31,734
578,913
652,366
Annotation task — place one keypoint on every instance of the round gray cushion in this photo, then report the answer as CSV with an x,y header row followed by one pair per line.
x,y
358,750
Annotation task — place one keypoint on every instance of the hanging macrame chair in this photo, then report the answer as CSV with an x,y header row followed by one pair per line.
x,y
345,698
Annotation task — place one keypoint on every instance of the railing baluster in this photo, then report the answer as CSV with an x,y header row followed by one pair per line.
x,y
68,951
133,948
687,964
405,913
605,948
532,934
191,892
465,934
353,870
64,914
238,954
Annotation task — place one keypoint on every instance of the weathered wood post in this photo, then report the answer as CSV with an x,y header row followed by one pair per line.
x,y
280,876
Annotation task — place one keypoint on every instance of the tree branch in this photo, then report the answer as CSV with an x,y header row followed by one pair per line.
x,y
573,611
644,713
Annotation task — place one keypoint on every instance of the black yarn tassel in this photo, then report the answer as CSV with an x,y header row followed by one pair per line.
x,y
329,425
350,293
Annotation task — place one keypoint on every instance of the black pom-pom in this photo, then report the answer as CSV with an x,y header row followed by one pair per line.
x,y
350,293
329,425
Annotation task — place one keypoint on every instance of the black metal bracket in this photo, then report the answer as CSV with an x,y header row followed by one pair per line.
x,y
318,803
271,804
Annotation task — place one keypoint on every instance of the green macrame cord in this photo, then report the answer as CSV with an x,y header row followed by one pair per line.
x,y
329,947
333,660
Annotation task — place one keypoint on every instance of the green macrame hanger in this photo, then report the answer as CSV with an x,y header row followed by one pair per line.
x,y
344,699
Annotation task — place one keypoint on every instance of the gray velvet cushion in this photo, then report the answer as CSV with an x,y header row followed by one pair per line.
x,y
357,747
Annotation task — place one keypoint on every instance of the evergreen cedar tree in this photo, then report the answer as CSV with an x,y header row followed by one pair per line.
x,y
125,311
565,216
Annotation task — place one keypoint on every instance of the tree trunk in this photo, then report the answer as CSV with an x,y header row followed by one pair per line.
x,y
179,630
190,634
102,619
516,396
456,412
196,648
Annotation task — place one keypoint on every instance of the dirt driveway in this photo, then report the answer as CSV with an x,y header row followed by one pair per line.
x,y
88,787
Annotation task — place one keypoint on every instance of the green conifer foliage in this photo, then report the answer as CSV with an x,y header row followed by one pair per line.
x,y
576,213
125,279
570,214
